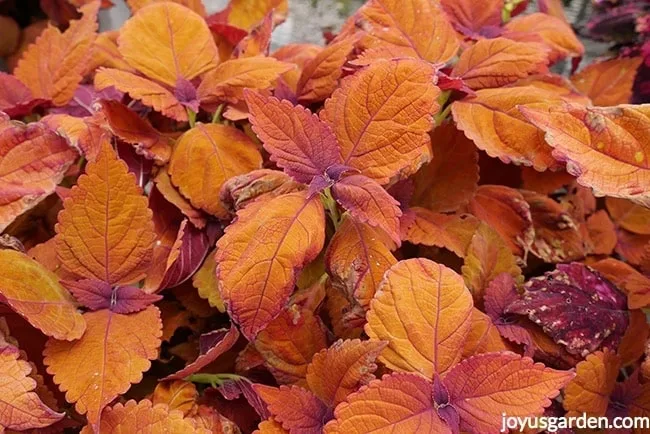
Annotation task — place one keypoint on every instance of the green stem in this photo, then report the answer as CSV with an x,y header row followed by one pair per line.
x,y
216,117
506,12
440,117
191,116
330,205
212,379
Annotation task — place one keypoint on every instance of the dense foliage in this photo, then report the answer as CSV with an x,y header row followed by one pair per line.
x,y
415,228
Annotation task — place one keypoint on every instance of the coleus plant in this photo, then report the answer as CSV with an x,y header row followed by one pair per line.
x,y
399,231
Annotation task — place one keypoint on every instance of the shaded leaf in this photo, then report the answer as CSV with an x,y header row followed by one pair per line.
x,y
470,19
97,295
453,232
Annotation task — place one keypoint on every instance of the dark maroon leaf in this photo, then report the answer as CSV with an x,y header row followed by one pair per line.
x,y
499,294
577,307
97,295
139,165
221,341
446,82
236,387
16,100
194,246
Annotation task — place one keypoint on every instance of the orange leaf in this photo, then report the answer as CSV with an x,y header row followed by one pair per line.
x,y
86,135
270,427
492,121
109,357
606,148
453,232
297,140
172,195
609,82
289,342
506,211
320,75
455,162
143,417
498,62
226,83
356,260
634,284
52,67
551,31
195,5
168,42
104,52
368,202
595,379
105,230
407,28
628,215
602,233
336,372
419,305
35,293
358,110
484,387
177,395
297,409
399,402
206,283
544,183
260,253
469,17
150,93
487,256
205,157
33,160
20,407
633,342
483,336
245,14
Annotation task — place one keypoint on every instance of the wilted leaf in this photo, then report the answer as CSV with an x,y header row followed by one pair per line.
x,y
356,260
407,28
168,42
20,406
381,117
420,305
577,307
262,184
606,148
498,62
609,82
33,160
35,293
113,358
258,256
53,66
297,140
105,230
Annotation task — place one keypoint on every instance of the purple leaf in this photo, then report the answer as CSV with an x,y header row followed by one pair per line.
x,y
16,100
84,98
577,307
185,93
97,295
232,389
139,165
446,411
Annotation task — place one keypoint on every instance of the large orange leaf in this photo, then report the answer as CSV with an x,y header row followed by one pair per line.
x,y
356,260
113,353
607,148
407,28
205,157
609,82
381,117
453,232
595,379
20,406
226,83
289,342
33,160
260,253
245,14
297,140
53,66
336,372
488,256
320,75
498,62
470,17
455,162
483,336
105,230
35,293
143,417
423,310
399,402
549,30
168,42
505,209
628,215
297,409
484,387
625,277
492,120
150,93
